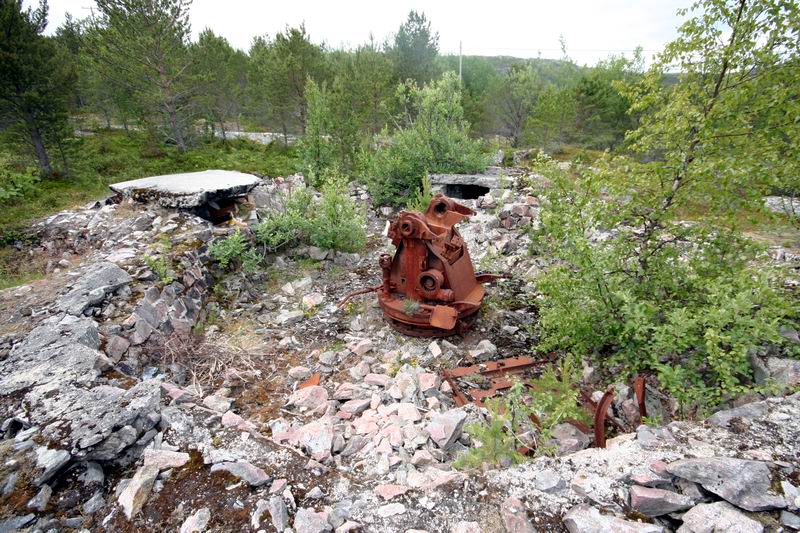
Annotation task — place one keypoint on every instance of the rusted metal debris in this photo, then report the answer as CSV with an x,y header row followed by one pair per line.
x,y
494,377
600,415
429,287
496,372
310,382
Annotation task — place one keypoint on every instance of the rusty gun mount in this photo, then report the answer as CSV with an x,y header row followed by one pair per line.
x,y
429,287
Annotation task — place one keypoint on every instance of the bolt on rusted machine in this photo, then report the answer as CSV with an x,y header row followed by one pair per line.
x,y
429,287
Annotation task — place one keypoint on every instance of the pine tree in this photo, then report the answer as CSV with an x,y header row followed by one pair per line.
x,y
142,46
36,79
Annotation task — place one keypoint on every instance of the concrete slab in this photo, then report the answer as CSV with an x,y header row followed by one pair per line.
x,y
188,190
489,179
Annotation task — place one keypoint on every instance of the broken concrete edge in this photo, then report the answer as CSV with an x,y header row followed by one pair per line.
x,y
188,190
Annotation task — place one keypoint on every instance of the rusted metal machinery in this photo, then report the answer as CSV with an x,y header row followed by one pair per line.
x,y
492,378
429,287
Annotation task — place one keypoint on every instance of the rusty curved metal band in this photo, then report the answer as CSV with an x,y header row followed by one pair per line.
x,y
638,389
350,295
600,418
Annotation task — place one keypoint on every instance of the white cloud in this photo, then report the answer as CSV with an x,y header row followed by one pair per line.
x,y
592,28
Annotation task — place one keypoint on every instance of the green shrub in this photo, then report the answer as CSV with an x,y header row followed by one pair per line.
x,y
280,229
315,147
337,223
162,268
434,139
333,222
422,197
525,417
235,251
688,301
16,183
498,444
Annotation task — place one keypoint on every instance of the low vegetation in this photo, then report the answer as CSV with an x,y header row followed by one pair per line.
x,y
650,267
525,416
332,221
107,157
435,139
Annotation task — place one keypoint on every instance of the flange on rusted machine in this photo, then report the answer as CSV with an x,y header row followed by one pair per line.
x,y
429,287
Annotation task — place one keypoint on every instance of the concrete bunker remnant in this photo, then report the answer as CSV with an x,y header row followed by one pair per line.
x,y
464,191
210,194
466,186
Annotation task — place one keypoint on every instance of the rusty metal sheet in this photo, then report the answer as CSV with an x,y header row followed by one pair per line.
x,y
444,317
310,382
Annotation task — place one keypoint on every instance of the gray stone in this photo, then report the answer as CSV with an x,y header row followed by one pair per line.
x,y
191,189
51,460
92,474
718,517
748,411
245,471
569,439
317,254
100,279
548,481
784,371
141,332
164,459
135,494
445,428
514,516
466,527
692,490
309,521
315,493
444,182
278,512
289,318
39,502
15,523
350,526
485,348
790,520
316,437
345,259
217,403
258,512
94,504
60,350
197,522
743,483
72,523
355,407
10,483
113,445
102,420
792,495
390,509
656,502
308,398
586,519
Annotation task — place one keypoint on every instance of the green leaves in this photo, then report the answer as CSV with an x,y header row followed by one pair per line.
x,y
334,222
434,137
36,80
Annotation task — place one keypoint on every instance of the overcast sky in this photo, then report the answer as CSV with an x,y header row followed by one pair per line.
x,y
592,28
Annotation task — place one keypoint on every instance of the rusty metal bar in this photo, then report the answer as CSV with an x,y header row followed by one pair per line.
x,y
600,416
